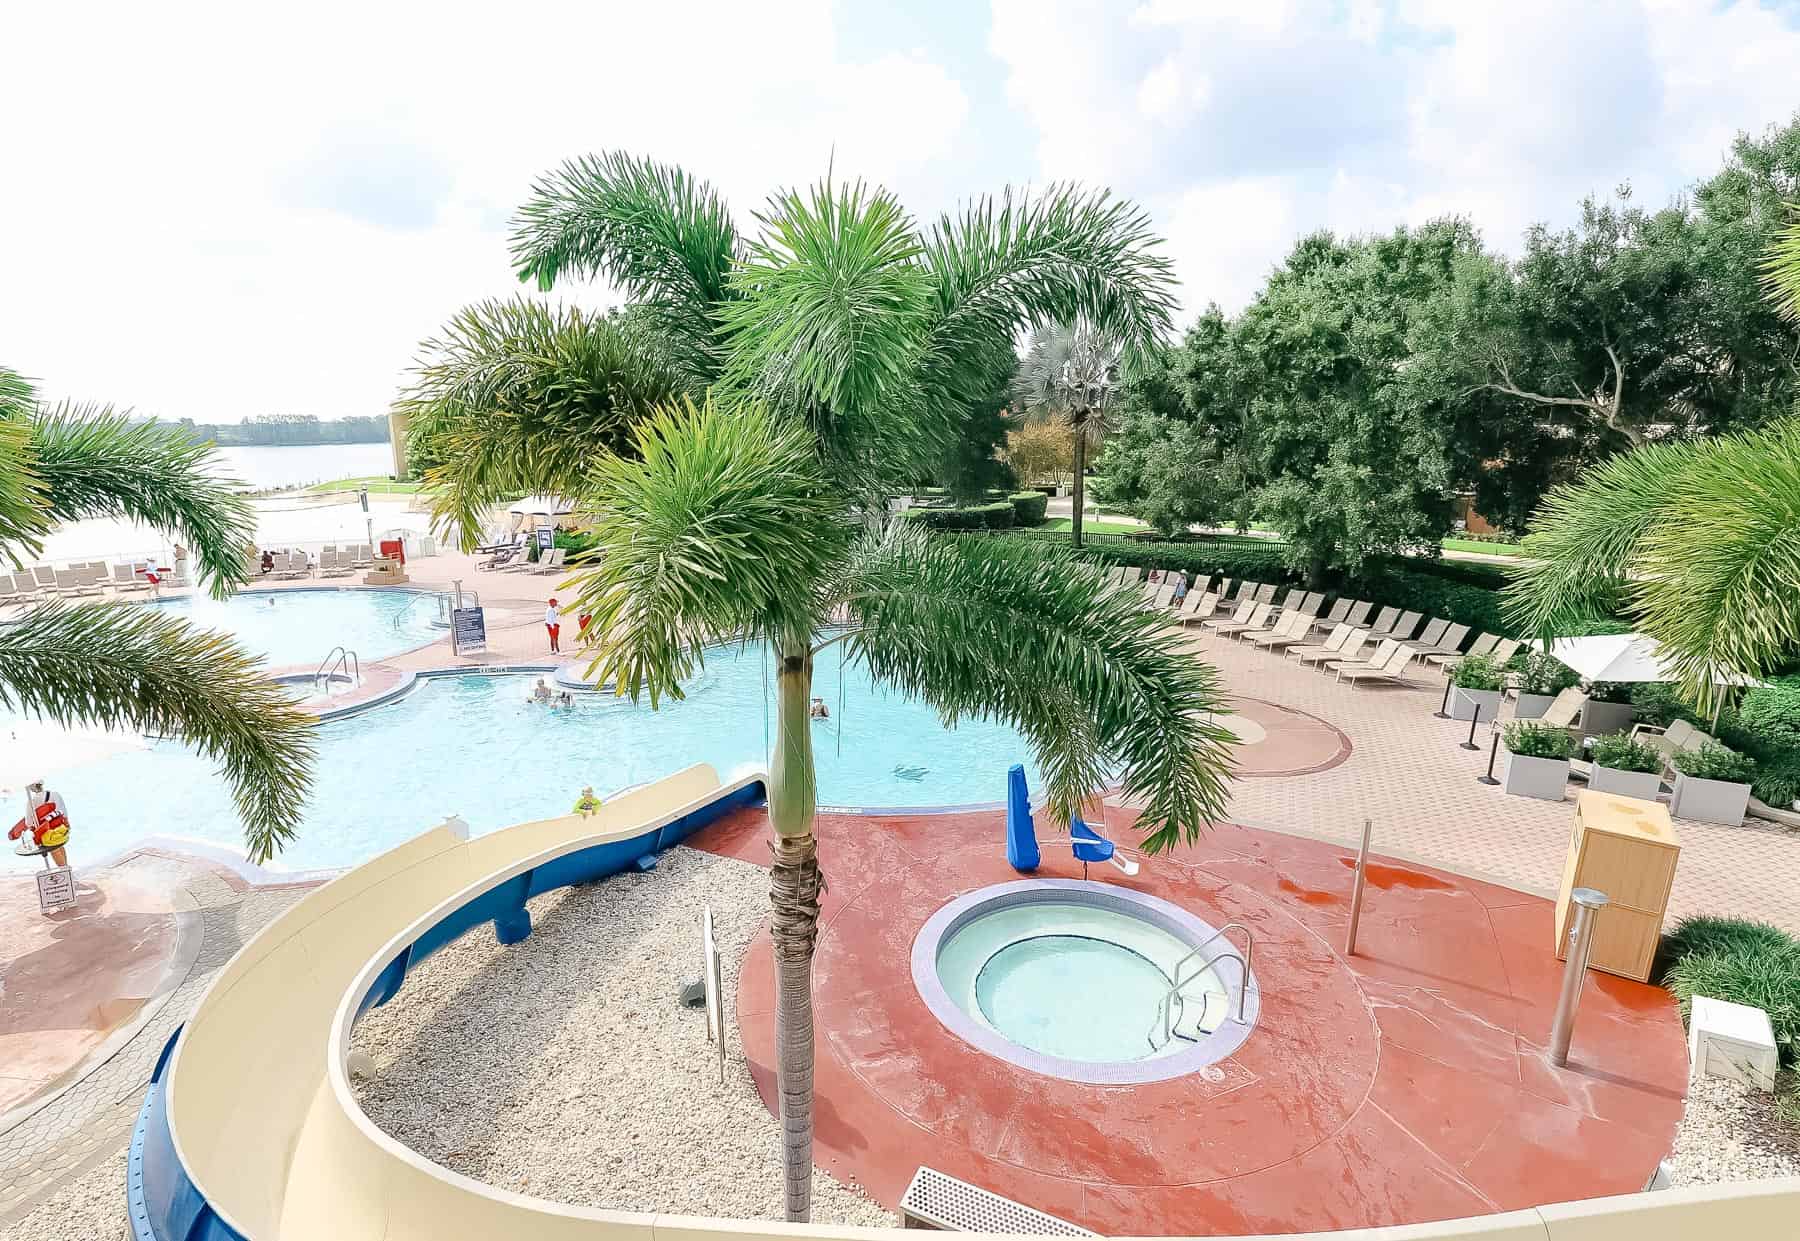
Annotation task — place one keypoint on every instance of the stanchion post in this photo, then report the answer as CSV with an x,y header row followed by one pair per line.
x,y
1356,890
1474,721
1493,749
1443,711
1584,911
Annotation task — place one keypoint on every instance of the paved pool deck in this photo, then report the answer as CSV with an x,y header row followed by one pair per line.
x,y
1407,1083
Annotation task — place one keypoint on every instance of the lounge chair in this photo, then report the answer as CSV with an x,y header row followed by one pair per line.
x,y
1291,632
71,583
1333,618
1448,643
1258,619
1668,742
1237,616
503,557
336,564
1388,670
1224,591
1563,710
1482,645
1431,634
1265,593
1354,650
1165,593
1383,649
16,587
44,576
291,566
1383,623
1197,607
1405,627
362,557
1290,600
551,561
1331,648
1358,615
125,577
1312,602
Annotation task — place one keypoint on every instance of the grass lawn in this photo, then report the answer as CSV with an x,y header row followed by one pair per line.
x,y
1477,545
378,485
1093,526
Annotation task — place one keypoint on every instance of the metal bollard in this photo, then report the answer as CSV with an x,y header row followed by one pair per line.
x,y
1356,891
1587,903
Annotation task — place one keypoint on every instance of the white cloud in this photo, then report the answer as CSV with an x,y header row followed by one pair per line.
x,y
234,209
1375,114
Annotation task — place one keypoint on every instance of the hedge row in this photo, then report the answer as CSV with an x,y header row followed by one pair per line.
x,y
1024,508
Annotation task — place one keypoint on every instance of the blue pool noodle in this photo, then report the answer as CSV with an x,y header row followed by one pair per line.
x,y
1021,834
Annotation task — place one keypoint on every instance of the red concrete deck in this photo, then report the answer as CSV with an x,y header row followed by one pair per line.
x,y
1408,1083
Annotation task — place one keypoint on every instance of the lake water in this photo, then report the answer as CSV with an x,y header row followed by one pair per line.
x,y
294,465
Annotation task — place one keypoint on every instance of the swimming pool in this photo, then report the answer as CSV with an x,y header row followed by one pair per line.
x,y
472,745
301,626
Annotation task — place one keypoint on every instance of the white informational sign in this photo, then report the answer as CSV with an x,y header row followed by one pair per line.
x,y
546,538
56,889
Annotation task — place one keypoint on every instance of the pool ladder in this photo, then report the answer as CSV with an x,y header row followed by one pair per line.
x,y
1172,1006
338,657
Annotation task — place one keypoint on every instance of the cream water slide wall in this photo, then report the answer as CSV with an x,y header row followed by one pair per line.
x,y
250,1130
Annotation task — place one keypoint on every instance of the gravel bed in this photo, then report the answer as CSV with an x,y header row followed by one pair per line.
x,y
564,1068
1732,1133
89,1208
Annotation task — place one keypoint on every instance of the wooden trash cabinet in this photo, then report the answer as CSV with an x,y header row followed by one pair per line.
x,y
1627,849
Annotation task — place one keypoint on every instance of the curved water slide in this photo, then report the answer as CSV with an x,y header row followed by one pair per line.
x,y
250,1130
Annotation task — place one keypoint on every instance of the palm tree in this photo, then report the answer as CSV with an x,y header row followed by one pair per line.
x,y
1068,376
118,665
1701,536
837,351
1781,267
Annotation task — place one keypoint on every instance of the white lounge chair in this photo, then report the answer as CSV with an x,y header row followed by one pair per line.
x,y
71,583
1331,648
1405,627
125,578
1448,643
1482,645
1258,619
1290,632
1389,670
551,561
1383,649
1197,607
362,557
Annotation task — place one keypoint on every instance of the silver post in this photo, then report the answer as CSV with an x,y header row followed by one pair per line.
x,y
1356,891
1586,904
455,607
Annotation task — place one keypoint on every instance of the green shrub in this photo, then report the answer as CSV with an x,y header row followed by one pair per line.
x,y
1714,762
1412,590
1467,572
1530,739
1777,779
1657,703
1742,962
1541,673
1619,752
1773,711
1609,691
577,543
1477,672
1029,507
996,516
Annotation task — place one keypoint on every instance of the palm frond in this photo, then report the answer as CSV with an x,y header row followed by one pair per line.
x,y
1781,266
1069,373
664,237
121,666
519,396
21,491
718,523
1031,635
94,462
1065,255
1704,538
827,321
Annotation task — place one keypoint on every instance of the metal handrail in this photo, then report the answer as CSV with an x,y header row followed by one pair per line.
x,y
1165,1008
337,657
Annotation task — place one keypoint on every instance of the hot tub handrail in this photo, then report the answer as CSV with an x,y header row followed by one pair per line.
x,y
337,657
1166,1008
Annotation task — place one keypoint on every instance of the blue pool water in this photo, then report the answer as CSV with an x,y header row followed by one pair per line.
x,y
1072,996
300,626
473,746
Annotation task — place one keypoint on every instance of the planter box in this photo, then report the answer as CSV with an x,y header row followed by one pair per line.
x,y
1709,801
1598,719
1545,778
1464,701
1533,706
1643,785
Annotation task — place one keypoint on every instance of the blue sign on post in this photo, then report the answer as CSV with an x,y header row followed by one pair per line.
x,y
469,628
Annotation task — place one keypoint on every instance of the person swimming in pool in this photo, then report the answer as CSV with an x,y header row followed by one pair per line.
x,y
819,710
541,692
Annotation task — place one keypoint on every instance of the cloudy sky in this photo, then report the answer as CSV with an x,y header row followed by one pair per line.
x,y
222,211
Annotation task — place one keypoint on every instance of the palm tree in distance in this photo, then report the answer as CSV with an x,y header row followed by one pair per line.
x,y
1068,376
142,668
827,358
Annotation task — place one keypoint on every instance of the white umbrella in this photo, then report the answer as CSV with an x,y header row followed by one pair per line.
x,y
1625,658
543,506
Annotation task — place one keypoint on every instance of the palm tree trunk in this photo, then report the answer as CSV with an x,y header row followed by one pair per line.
x,y
1080,481
794,886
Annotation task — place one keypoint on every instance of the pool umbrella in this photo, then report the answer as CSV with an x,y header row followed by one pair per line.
x,y
1625,658
1021,834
